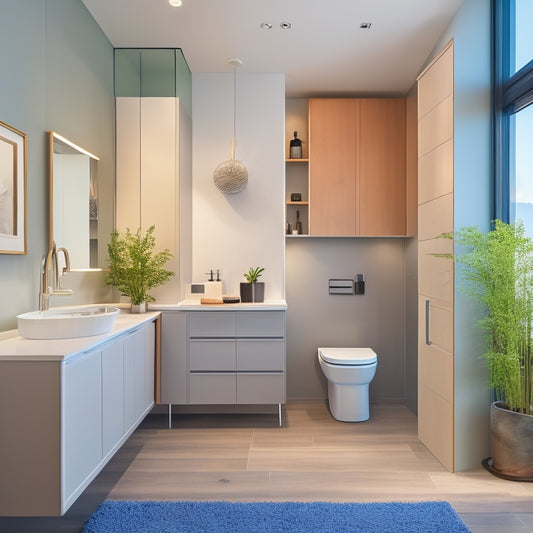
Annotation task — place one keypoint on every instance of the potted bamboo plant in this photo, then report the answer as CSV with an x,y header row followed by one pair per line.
x,y
253,290
134,268
499,274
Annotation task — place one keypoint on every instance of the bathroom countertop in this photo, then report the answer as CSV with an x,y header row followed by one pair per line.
x,y
269,305
13,347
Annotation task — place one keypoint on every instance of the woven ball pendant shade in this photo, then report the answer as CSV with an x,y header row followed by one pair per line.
x,y
231,176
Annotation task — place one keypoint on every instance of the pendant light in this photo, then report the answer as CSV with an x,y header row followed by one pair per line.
x,y
231,176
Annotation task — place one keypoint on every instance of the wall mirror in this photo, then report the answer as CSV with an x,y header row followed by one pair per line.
x,y
74,201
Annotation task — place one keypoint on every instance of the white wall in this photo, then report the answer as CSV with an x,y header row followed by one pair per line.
x,y
235,232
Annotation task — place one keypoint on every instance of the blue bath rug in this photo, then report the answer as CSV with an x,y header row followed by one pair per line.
x,y
320,517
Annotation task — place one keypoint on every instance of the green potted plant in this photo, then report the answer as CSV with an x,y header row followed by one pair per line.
x,y
253,290
499,274
134,268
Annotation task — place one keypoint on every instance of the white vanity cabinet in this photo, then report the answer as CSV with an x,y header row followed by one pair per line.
x,y
64,413
223,357
81,420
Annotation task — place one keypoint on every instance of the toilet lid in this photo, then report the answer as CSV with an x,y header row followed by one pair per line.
x,y
348,356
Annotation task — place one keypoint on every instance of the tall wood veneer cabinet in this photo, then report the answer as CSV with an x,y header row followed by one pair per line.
x,y
64,416
357,167
435,275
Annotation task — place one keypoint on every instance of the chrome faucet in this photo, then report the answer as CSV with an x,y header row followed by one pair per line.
x,y
52,287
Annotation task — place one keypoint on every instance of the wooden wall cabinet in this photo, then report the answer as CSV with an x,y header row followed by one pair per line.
x,y
333,162
357,167
382,200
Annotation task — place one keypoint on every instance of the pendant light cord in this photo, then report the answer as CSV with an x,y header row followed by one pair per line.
x,y
234,110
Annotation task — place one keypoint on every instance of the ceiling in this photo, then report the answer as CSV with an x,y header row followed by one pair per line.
x,y
324,53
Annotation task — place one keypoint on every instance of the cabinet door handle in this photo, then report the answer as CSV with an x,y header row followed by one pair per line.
x,y
428,342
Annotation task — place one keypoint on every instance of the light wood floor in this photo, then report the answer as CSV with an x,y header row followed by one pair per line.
x,y
247,457
312,458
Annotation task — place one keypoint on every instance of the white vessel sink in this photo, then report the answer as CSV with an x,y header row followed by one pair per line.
x,y
67,322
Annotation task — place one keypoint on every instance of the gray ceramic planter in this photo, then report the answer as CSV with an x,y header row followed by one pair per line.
x,y
512,443
253,292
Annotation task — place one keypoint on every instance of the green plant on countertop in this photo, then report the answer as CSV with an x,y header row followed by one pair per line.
x,y
499,275
134,268
253,274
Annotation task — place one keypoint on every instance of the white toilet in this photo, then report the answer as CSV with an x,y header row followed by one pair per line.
x,y
349,372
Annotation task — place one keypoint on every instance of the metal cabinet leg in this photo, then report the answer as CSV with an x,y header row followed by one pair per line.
x,y
279,415
169,416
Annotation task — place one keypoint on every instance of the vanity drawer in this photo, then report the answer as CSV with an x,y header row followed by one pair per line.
x,y
212,388
260,324
212,355
261,355
261,388
212,324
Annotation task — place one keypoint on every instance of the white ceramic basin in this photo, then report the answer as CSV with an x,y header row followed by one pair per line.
x,y
67,322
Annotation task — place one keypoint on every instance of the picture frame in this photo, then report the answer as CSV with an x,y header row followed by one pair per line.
x,y
13,177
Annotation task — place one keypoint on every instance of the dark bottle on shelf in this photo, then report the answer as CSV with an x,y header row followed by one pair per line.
x,y
298,223
296,147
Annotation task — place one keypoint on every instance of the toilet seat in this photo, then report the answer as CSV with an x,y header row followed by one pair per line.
x,y
348,356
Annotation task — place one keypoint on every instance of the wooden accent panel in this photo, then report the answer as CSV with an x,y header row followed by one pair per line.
x,y
435,425
382,167
440,325
411,149
438,85
157,361
435,274
436,359
436,127
333,156
435,171
435,217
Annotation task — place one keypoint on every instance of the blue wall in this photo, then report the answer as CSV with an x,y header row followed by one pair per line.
x,y
57,74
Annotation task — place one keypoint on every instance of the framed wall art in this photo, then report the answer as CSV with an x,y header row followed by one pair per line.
x,y
13,157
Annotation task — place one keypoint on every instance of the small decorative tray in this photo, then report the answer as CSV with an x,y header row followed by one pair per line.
x,y
231,299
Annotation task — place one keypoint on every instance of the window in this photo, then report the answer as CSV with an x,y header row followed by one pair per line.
x,y
522,44
513,117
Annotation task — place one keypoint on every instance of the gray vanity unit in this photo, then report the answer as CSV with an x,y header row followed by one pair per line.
x,y
66,407
224,355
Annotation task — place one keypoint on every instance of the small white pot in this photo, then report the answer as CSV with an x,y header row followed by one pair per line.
x,y
140,308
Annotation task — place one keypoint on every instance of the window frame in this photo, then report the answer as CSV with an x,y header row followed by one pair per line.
x,y
511,94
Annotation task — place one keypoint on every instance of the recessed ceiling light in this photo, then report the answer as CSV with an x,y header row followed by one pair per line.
x,y
365,25
174,3
266,25
285,25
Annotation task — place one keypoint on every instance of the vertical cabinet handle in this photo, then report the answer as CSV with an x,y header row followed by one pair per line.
x,y
428,342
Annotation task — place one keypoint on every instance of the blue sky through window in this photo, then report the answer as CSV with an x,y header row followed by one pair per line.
x,y
523,33
522,123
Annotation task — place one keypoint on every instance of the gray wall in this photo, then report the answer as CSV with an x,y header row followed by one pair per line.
x,y
316,318
57,74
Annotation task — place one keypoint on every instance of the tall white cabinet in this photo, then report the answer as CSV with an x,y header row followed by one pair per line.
x,y
154,179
